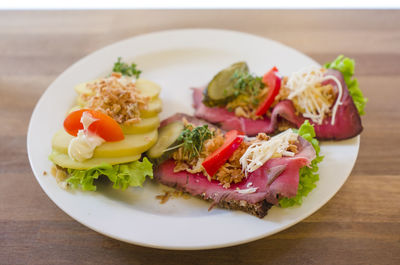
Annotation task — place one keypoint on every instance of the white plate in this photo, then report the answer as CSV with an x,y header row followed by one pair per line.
x,y
177,60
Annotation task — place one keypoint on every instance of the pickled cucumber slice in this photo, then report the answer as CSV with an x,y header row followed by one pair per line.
x,y
167,137
221,88
63,160
133,144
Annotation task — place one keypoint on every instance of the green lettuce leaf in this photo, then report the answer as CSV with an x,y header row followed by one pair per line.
x,y
346,66
122,176
308,175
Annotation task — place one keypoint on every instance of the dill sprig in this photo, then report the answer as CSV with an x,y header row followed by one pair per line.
x,y
125,69
193,139
248,85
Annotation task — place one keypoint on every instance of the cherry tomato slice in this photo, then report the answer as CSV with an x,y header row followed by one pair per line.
x,y
105,126
213,162
273,81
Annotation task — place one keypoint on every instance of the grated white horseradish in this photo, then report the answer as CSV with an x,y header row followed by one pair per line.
x,y
302,86
261,151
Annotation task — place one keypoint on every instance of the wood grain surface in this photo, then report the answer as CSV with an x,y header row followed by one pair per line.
x,y
360,225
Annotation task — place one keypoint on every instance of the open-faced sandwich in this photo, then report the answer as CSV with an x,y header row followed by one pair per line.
x,y
328,97
114,121
232,170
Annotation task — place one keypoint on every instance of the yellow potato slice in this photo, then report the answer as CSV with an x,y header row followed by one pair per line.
x,y
63,160
80,101
133,144
148,88
145,125
74,108
154,107
82,88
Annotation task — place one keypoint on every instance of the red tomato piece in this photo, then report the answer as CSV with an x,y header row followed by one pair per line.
x,y
213,162
105,126
273,81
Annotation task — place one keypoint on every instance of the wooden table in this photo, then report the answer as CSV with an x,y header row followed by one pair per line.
x,y
360,225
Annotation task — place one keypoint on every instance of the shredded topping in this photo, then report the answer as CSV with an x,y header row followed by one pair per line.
x,y
310,97
260,151
252,153
339,98
117,97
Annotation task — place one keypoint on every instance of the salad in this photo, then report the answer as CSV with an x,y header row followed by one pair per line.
x,y
114,121
328,97
232,170
251,145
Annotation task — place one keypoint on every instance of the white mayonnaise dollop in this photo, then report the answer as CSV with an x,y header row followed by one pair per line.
x,y
82,146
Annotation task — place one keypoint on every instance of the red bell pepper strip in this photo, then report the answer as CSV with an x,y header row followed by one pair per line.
x,y
213,162
273,81
105,126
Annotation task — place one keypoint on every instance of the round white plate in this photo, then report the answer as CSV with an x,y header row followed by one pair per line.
x,y
177,60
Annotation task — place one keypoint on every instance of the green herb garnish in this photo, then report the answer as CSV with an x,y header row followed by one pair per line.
x,y
125,69
193,139
248,85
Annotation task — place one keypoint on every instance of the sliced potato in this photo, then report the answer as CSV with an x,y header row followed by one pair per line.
x,y
74,108
80,101
145,125
63,160
154,107
133,144
148,88
82,88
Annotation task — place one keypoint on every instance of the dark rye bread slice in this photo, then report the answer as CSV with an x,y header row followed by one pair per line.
x,y
259,209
